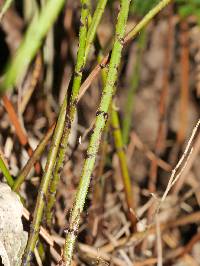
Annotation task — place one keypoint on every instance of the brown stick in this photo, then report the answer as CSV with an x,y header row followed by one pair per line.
x,y
184,100
196,148
23,139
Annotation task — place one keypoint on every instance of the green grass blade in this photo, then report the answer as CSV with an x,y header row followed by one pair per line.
x,y
31,43
6,173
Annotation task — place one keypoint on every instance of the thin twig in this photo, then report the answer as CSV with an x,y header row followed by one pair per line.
x,y
20,132
184,93
193,157
34,80
36,154
182,162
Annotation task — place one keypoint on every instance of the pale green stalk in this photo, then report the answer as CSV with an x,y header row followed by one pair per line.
x,y
94,24
31,42
117,135
101,117
86,38
123,165
146,19
80,63
42,194
6,173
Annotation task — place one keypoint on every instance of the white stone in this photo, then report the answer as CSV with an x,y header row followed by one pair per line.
x,y
13,238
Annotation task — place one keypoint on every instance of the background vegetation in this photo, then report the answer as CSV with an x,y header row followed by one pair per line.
x,y
99,129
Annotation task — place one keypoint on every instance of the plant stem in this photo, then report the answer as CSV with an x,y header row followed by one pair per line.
x,y
6,172
31,42
123,165
20,132
37,216
98,199
117,135
86,38
101,117
133,86
80,63
94,24
146,19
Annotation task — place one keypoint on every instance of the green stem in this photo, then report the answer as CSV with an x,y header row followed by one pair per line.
x,y
8,177
6,173
146,19
94,24
133,86
86,38
42,194
123,165
80,63
101,117
117,135
31,42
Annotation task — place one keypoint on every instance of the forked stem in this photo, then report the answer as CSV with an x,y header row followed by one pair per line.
x,y
101,117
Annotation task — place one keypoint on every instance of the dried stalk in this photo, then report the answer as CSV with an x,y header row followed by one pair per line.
x,y
20,132
36,154
184,93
